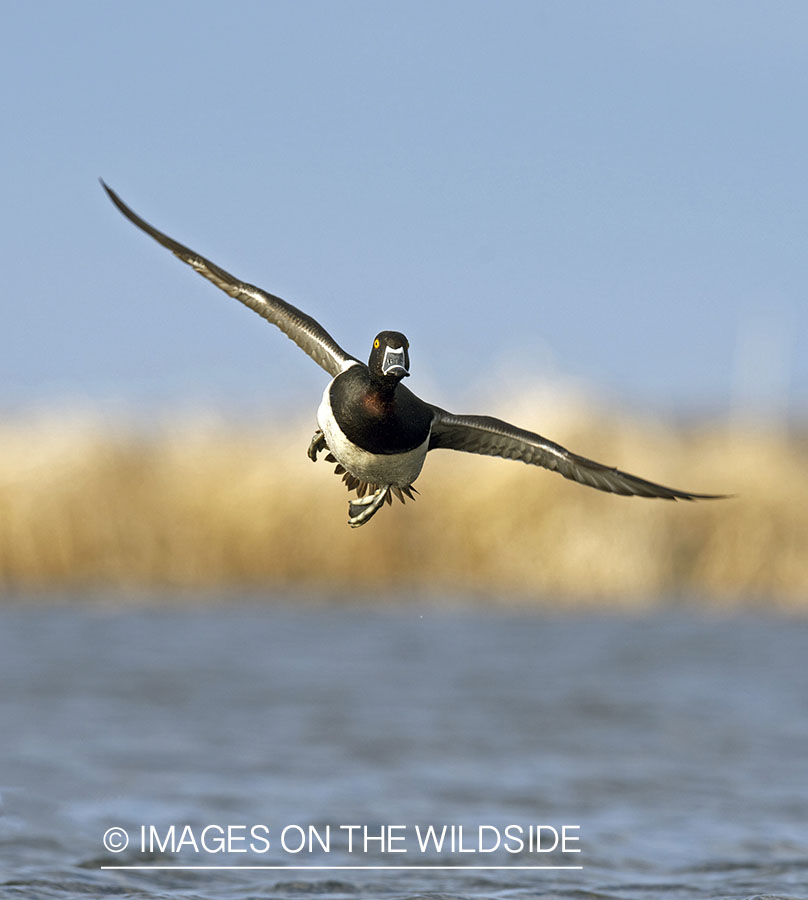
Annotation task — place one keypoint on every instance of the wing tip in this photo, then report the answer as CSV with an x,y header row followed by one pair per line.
x,y
122,207
674,494
694,497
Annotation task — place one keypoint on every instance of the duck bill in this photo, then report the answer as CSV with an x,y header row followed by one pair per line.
x,y
395,362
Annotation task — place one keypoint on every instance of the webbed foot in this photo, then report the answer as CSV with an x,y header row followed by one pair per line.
x,y
363,509
317,444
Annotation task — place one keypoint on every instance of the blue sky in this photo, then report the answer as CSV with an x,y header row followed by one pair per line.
x,y
609,194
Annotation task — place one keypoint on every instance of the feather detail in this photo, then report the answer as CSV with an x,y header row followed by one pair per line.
x,y
362,488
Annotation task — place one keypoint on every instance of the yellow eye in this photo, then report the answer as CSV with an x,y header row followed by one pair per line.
x,y
376,343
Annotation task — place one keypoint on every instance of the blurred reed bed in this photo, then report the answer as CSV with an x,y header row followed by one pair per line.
x,y
205,505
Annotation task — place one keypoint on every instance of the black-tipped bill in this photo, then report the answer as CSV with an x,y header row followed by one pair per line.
x,y
394,362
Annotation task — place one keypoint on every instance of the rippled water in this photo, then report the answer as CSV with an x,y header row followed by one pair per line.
x,y
677,743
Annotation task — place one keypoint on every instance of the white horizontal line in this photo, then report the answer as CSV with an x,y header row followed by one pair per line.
x,y
331,868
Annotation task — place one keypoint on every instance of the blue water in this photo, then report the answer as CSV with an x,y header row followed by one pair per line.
x,y
677,744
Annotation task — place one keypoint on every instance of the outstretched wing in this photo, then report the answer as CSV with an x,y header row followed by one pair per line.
x,y
493,437
308,334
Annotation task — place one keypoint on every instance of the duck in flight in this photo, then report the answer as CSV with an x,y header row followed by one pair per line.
x,y
376,430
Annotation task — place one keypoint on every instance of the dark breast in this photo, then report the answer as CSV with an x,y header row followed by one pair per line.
x,y
375,420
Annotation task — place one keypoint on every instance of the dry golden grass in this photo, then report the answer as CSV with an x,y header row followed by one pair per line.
x,y
204,506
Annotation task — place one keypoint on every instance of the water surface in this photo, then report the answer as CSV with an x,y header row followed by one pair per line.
x,y
678,743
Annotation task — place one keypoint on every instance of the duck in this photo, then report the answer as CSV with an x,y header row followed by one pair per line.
x,y
374,429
